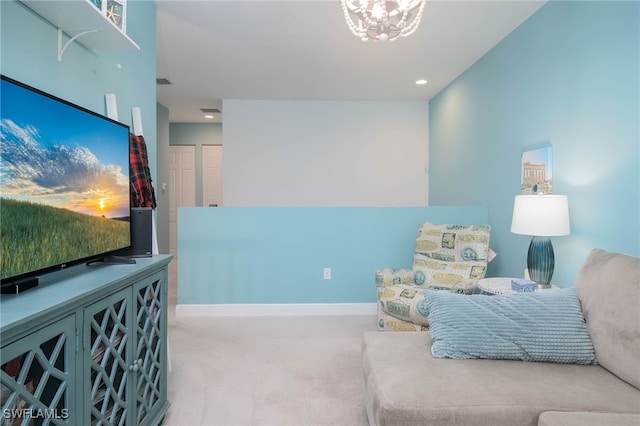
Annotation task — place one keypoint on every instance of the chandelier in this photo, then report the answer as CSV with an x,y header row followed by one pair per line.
x,y
382,19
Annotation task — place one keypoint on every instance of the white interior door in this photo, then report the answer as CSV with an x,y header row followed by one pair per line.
x,y
212,175
182,187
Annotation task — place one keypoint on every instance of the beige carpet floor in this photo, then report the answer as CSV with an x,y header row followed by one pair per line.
x,y
269,371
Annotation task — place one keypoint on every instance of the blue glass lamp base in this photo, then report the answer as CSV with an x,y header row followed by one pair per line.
x,y
541,261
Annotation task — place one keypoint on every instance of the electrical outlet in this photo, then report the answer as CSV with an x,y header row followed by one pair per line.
x,y
326,272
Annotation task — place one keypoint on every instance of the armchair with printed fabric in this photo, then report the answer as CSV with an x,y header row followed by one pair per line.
x,y
446,257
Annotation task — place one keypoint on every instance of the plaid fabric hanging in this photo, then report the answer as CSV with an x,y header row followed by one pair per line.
x,y
141,186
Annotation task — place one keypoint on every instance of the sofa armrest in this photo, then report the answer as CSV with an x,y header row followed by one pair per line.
x,y
393,276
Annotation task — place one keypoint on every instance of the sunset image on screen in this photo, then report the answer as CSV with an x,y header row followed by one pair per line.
x,y
81,174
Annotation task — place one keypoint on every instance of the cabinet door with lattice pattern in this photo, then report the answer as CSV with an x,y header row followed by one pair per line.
x,y
108,366
38,377
149,353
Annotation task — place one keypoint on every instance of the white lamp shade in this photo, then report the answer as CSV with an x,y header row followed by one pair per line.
x,y
541,215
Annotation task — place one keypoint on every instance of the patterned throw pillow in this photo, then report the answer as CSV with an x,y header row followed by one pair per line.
x,y
448,256
543,326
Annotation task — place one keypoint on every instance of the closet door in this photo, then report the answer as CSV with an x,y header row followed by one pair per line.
x,y
212,175
182,186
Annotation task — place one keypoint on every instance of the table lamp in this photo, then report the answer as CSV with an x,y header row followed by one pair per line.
x,y
541,216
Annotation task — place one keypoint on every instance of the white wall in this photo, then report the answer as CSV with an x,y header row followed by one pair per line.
x,y
325,153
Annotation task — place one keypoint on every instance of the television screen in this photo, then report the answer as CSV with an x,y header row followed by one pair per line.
x,y
64,183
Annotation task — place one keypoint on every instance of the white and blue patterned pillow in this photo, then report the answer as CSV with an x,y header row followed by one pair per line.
x,y
545,326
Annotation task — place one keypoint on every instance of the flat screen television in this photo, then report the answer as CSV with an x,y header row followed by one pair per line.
x,y
64,184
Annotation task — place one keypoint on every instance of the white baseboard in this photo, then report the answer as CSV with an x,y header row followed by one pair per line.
x,y
284,309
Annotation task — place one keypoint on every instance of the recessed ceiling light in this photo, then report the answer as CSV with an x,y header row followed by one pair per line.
x,y
208,116
421,82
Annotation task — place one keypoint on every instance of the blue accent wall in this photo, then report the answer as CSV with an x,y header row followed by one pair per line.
x,y
277,254
29,53
568,76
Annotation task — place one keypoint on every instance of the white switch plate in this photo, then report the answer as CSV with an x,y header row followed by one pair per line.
x,y
326,273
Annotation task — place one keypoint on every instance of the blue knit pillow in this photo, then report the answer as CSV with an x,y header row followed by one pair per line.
x,y
543,326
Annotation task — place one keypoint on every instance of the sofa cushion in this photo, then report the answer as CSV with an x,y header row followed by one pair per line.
x,y
542,326
608,285
581,418
406,385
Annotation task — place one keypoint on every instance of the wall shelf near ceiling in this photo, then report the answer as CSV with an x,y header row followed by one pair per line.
x,y
81,21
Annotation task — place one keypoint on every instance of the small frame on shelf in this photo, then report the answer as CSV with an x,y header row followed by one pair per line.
x,y
117,13
114,10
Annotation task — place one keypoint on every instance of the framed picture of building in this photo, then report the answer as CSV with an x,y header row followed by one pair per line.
x,y
537,177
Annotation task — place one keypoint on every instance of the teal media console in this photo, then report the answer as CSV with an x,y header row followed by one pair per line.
x,y
87,346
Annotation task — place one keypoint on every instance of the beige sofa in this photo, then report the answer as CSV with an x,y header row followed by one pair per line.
x,y
406,385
